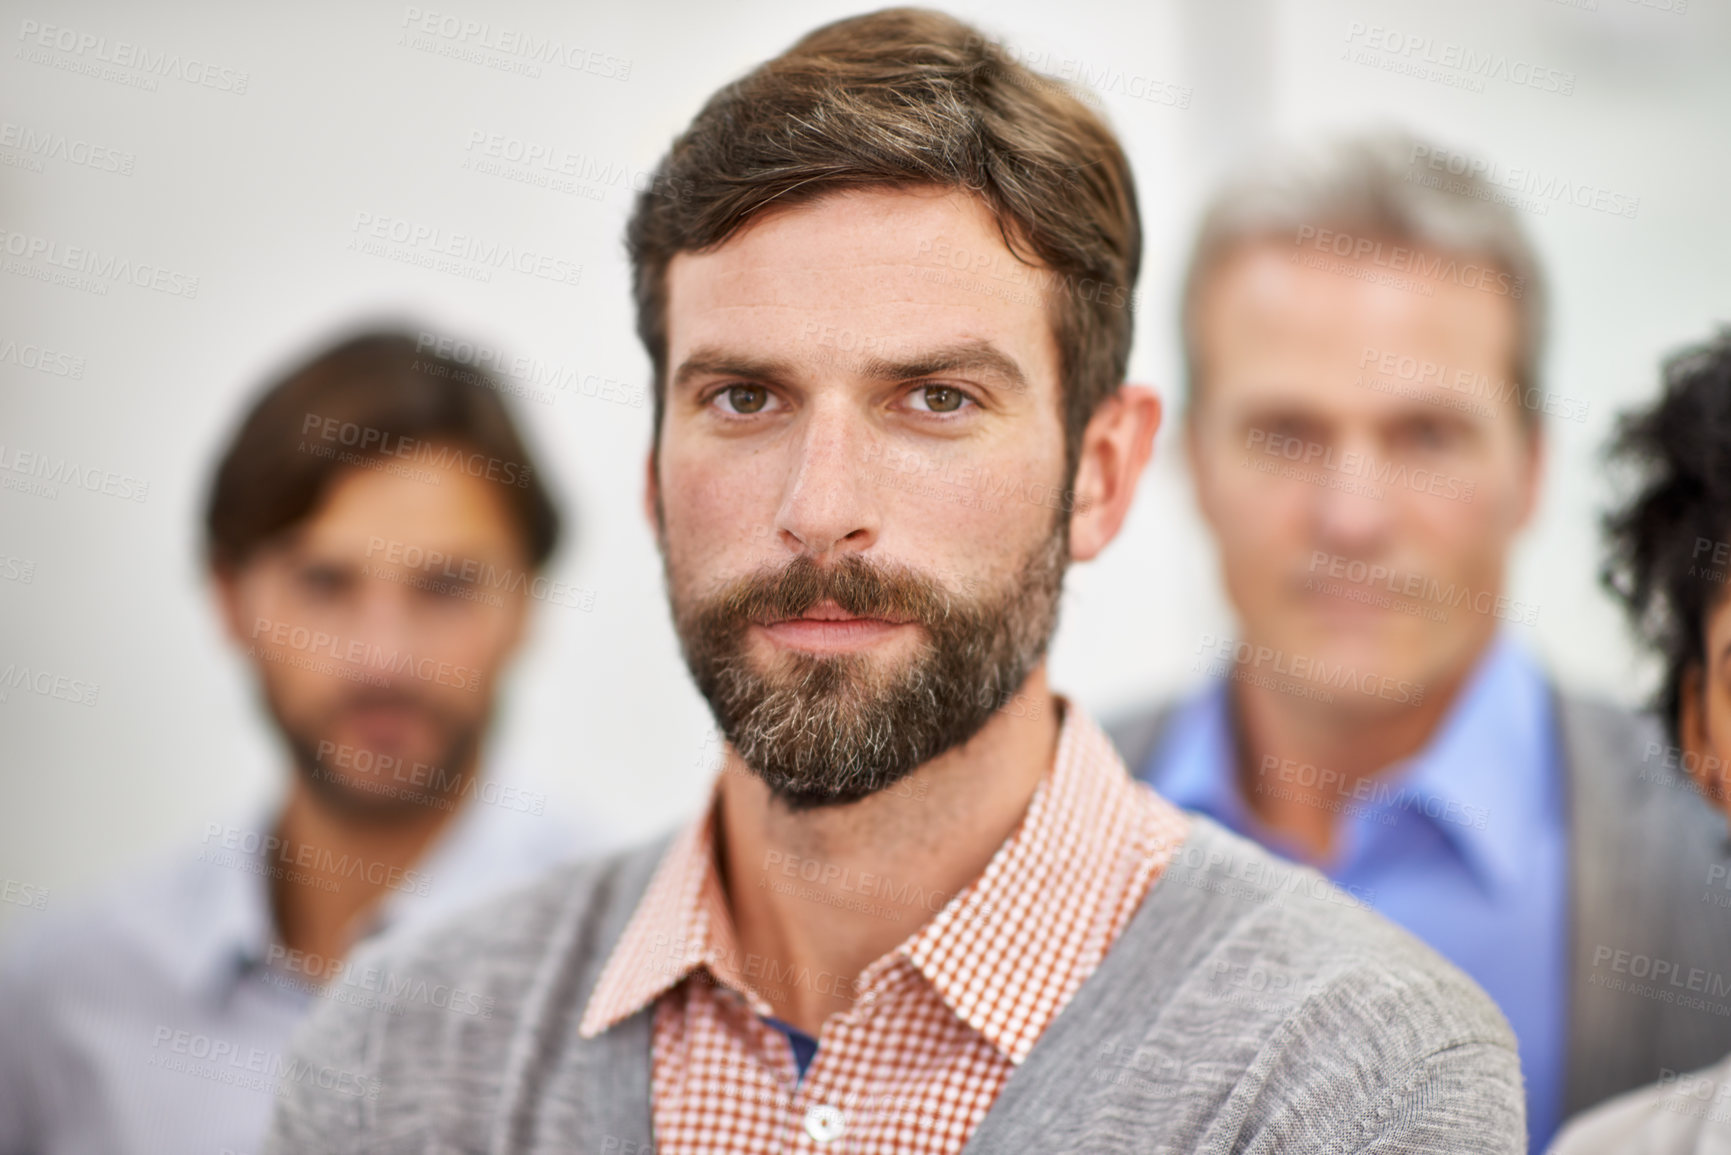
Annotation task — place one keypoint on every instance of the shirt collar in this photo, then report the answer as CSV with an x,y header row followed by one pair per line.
x,y
212,922
220,926
668,936
1005,954
1487,775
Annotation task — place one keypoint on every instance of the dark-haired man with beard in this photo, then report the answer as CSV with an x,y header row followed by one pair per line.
x,y
374,535
926,907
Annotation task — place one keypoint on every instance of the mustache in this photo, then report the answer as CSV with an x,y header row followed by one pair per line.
x,y
864,589
374,697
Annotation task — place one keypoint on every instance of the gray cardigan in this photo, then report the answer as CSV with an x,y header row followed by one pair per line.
x,y
1644,852
1247,1006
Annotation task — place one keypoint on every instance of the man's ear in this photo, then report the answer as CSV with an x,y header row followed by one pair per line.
x,y
1116,447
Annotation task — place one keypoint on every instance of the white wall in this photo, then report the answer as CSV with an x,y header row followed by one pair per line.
x,y
256,194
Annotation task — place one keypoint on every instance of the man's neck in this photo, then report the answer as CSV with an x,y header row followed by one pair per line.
x,y
1300,760
826,892
333,869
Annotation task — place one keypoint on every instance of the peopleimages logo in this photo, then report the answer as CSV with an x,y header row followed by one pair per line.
x,y
1661,971
1362,467
499,154
46,684
1374,791
467,577
268,1071
1545,188
1494,391
266,853
1460,65
1426,265
371,440
88,269
1303,668
429,30
443,788
1375,576
85,50
492,359
46,472
343,980
444,250
40,145
42,359
24,894
359,655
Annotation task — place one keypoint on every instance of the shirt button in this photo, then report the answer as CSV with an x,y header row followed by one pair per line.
x,y
824,1123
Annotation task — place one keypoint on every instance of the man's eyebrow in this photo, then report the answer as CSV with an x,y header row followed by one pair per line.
x,y
980,358
711,362
976,357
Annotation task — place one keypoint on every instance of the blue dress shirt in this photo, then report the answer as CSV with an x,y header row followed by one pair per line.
x,y
156,1018
1465,844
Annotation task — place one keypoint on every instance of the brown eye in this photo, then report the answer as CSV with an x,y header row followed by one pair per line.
x,y
747,398
942,398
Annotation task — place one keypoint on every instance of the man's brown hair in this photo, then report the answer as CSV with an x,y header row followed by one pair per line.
x,y
912,97
375,398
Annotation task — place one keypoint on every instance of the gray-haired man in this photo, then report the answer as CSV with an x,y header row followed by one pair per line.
x,y
1363,328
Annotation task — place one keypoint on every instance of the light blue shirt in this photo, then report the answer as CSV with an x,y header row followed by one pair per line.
x,y
156,1018
1465,844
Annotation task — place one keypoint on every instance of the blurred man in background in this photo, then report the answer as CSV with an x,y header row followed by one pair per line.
x,y
375,533
1363,330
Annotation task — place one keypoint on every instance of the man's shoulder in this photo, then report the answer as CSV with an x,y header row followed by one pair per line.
x,y
480,963
492,939
1251,1004
1136,729
1623,771
1597,731
137,920
1631,799
439,1020
1273,926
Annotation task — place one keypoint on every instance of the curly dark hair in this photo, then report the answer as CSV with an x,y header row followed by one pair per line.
x,y
1668,546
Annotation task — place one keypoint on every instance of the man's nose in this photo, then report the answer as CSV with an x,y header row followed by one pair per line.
x,y
1352,512
385,615
828,504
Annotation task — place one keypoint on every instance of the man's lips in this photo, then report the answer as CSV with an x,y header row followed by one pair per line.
x,y
828,627
385,725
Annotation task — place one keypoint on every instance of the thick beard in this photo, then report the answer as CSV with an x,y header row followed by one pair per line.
x,y
828,730
394,799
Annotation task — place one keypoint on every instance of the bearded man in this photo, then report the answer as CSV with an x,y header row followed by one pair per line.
x,y
374,534
927,907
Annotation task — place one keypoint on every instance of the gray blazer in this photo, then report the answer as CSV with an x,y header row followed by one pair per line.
x,y
1647,858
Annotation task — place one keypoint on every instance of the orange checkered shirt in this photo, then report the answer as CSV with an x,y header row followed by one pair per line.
x,y
939,1023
